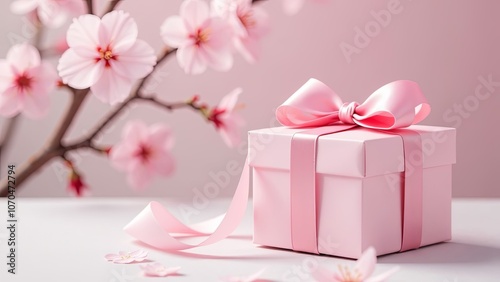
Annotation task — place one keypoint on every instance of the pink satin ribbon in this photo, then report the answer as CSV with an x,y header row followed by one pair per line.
x,y
303,187
395,105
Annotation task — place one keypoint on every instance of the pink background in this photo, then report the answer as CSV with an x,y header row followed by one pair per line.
x,y
443,45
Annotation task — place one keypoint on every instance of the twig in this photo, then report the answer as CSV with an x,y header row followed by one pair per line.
x,y
90,6
77,99
161,58
5,138
171,106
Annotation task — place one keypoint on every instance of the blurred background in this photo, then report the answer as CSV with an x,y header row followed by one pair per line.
x,y
448,47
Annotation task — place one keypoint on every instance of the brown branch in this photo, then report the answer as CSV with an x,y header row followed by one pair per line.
x,y
172,106
112,5
26,170
7,133
110,117
161,58
77,99
90,6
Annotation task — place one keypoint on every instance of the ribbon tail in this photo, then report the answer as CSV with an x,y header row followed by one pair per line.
x,y
155,225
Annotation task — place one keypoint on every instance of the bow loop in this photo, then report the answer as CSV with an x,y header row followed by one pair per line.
x,y
397,104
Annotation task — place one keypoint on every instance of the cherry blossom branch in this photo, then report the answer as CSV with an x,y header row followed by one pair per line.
x,y
57,148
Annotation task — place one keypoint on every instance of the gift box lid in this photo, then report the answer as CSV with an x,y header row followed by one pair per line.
x,y
358,152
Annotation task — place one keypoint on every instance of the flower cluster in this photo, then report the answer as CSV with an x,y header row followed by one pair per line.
x,y
105,57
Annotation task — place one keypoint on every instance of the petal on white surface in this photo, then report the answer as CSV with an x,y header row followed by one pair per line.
x,y
23,56
111,87
139,254
194,13
136,62
83,32
158,270
118,30
174,32
190,60
21,7
366,263
111,256
77,71
10,102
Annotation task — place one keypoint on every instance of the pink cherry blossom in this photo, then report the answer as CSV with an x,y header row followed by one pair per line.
x,y
158,270
249,22
52,13
361,272
105,55
25,82
201,40
227,119
127,257
251,278
143,152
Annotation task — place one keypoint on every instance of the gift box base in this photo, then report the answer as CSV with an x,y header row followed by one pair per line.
x,y
353,213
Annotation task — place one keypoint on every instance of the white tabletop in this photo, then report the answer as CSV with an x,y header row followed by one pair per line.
x,y
66,240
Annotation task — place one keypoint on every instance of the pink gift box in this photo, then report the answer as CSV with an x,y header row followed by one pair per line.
x,y
359,182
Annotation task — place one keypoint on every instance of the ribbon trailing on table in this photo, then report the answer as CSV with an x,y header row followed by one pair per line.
x,y
395,105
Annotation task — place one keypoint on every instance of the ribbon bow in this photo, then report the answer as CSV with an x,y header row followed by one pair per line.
x,y
395,105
